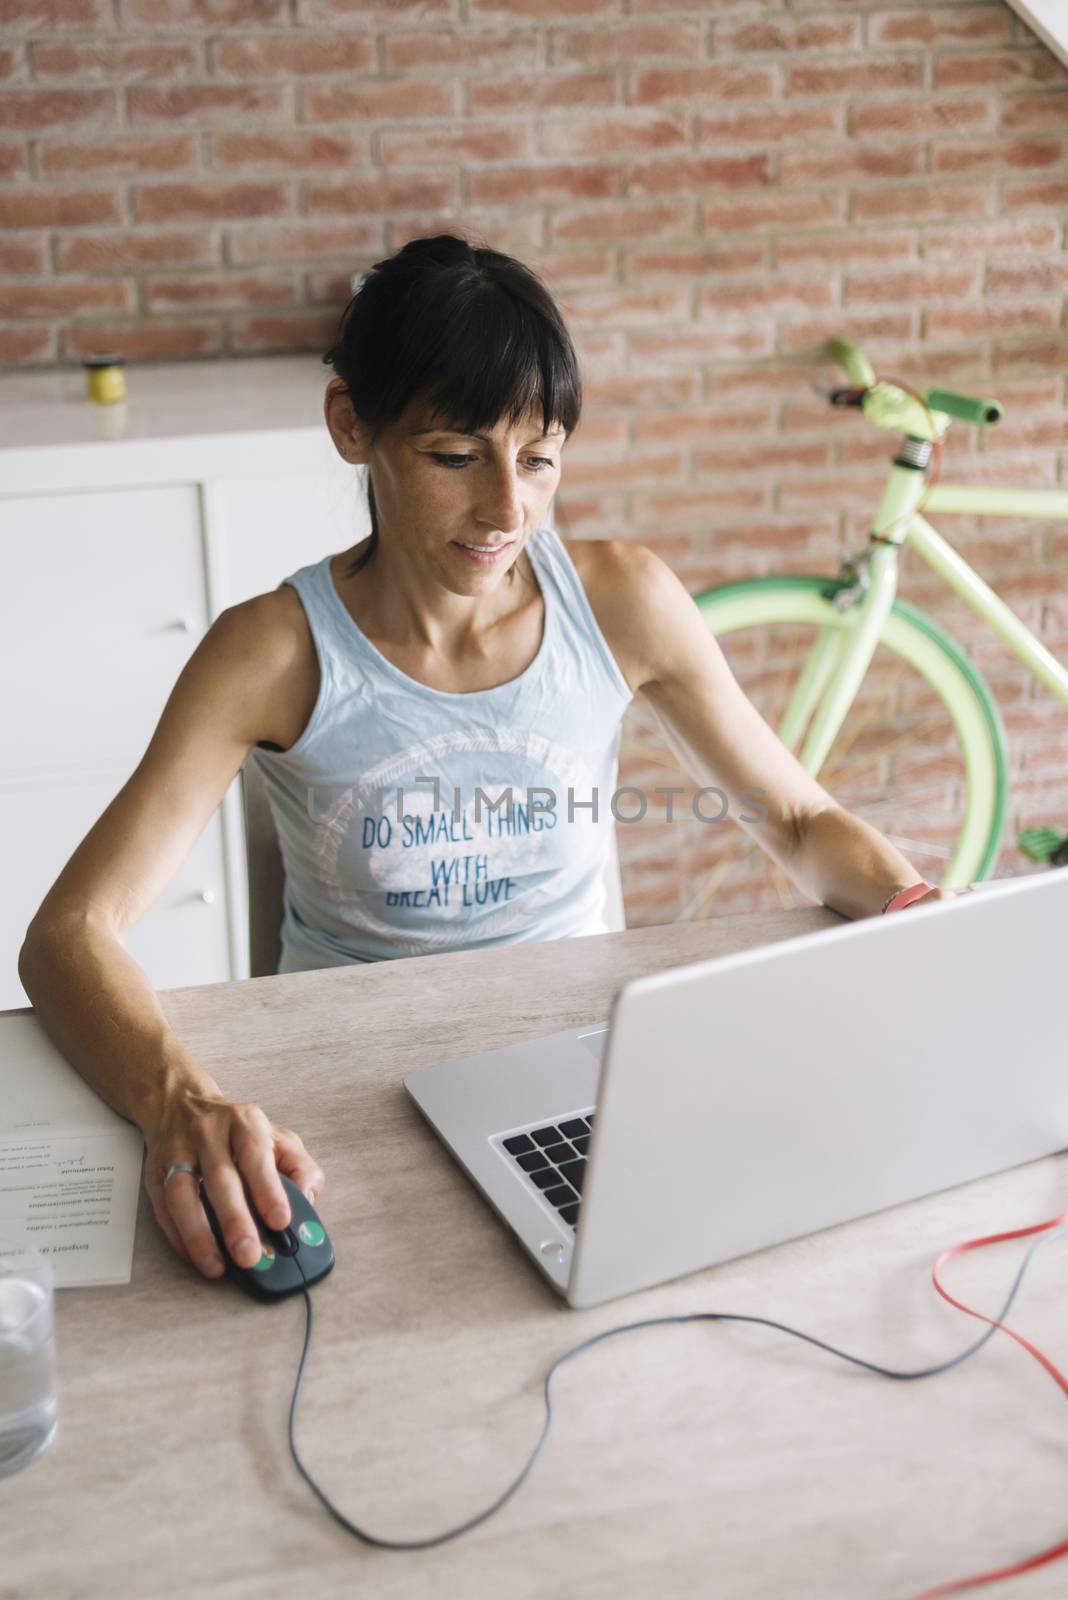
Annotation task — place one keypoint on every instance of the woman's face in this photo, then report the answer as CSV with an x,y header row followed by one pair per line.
x,y
438,493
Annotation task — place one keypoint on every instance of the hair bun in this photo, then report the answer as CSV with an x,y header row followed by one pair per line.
x,y
443,249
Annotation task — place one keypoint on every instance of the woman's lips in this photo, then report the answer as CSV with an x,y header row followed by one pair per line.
x,y
484,558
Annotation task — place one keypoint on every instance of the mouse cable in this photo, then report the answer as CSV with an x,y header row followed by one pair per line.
x,y
1058,1224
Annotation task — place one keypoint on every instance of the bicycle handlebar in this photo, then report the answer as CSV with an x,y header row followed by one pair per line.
x,y
984,413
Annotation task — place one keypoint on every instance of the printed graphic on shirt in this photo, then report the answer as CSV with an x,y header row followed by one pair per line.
x,y
480,830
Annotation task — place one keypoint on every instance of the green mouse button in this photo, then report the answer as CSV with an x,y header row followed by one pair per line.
x,y
292,1258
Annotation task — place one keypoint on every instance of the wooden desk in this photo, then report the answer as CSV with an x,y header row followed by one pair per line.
x,y
711,1460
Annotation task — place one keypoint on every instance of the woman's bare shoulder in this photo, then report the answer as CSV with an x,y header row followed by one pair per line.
x,y
611,573
277,648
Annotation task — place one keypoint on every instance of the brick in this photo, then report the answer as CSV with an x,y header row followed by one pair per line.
x,y
769,125
479,51
23,255
924,116
712,83
622,222
678,509
623,43
65,299
567,268
985,319
940,25
36,16
292,331
202,202
849,162
1035,112
1032,432
148,341
444,144
214,291
117,157
732,303
1052,193
536,183
410,97
114,61
206,105
290,55
697,426
303,241
995,155
597,438
917,201
545,91
628,133
999,69
543,10
695,261
776,211
204,13
296,151
641,389
844,249
855,77
21,345
378,193
135,247
704,343
678,174
72,208
795,338
1028,277
764,457
637,467
780,36
1026,236
918,283
14,162
628,308
27,110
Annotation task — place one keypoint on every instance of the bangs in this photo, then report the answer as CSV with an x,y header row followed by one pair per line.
x,y
495,359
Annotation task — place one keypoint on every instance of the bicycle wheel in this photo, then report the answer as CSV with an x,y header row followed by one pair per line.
x,y
921,754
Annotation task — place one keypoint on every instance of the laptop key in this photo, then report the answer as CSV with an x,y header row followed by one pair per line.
x,y
574,1172
559,1152
545,1136
518,1144
575,1128
582,1143
533,1162
561,1196
545,1178
570,1213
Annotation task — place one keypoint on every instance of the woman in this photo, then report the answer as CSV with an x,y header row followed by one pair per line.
x,y
436,715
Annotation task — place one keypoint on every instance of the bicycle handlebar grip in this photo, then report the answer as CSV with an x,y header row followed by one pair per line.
x,y
859,369
983,412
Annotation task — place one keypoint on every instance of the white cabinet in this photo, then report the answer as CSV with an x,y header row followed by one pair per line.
x,y
123,533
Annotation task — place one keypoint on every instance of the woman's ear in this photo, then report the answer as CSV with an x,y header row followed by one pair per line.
x,y
346,429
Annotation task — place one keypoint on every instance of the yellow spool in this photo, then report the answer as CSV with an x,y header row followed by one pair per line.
x,y
105,380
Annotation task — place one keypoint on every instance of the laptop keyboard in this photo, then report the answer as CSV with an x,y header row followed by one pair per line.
x,y
553,1158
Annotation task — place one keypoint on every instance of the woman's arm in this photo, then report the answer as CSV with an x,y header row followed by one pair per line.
x,y
721,739
94,1000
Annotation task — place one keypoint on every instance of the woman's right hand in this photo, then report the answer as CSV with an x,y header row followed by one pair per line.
x,y
226,1141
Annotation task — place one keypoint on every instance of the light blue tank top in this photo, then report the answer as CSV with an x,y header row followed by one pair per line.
x,y
412,820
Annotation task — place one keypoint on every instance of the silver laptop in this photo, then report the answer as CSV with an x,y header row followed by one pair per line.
x,y
749,1099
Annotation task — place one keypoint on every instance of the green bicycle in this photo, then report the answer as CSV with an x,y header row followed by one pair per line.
x,y
873,697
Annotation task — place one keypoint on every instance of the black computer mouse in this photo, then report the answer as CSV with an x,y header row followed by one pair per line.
x,y
293,1258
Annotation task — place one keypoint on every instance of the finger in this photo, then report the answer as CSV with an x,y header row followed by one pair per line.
x,y
243,1125
252,1141
293,1159
189,1220
154,1190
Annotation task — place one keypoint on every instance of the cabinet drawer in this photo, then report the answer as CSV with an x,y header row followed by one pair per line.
x,y
182,939
102,603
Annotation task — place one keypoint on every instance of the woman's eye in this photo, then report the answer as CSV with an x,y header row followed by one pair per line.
x,y
453,461
457,463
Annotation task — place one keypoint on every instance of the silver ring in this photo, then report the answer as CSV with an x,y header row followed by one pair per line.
x,y
179,1166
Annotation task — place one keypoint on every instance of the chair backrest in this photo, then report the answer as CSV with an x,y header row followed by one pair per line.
x,y
266,879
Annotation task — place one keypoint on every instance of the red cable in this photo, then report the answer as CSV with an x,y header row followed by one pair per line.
x,y
1055,1551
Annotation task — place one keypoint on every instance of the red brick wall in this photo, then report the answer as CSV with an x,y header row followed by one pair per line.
x,y
710,189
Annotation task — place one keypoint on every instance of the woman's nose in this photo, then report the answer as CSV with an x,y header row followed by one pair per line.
x,y
503,506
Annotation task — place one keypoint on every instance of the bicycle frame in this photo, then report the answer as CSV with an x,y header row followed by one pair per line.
x,y
836,665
